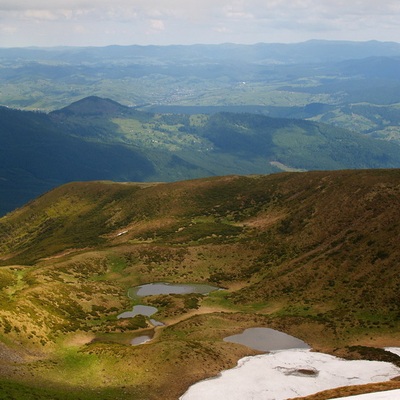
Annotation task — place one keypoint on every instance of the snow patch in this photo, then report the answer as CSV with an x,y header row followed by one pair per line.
x,y
285,374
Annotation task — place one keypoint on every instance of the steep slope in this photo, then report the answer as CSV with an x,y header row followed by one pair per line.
x,y
36,155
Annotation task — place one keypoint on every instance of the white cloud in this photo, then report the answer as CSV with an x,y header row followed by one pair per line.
x,y
38,15
157,24
184,21
222,29
8,29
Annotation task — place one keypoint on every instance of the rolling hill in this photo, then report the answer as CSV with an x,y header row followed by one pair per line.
x,y
354,85
313,254
100,139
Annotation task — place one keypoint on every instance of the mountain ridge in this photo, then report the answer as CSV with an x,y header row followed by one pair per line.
x,y
92,105
99,139
321,50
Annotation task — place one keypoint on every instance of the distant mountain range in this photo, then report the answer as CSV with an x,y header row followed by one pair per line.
x,y
100,139
313,51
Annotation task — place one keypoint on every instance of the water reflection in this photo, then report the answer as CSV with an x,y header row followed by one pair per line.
x,y
140,340
266,339
147,311
169,288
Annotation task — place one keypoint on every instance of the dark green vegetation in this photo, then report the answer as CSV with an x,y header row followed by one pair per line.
x,y
36,155
99,139
313,254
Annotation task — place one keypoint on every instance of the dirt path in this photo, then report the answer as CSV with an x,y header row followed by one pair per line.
x,y
175,320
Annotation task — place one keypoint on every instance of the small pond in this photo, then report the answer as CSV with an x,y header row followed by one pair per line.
x,y
155,289
156,323
140,340
147,311
169,288
266,339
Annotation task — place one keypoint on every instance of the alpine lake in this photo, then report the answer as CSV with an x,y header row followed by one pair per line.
x,y
261,339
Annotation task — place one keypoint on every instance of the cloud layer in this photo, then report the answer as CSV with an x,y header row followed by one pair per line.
x,y
101,22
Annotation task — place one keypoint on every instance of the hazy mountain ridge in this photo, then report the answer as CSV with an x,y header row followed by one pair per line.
x,y
314,254
306,52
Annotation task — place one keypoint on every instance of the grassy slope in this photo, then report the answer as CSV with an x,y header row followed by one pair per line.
x,y
312,254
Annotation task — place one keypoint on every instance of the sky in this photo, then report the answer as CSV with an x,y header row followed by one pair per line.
x,y
163,22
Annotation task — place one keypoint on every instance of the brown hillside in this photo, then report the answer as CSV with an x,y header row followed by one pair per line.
x,y
313,254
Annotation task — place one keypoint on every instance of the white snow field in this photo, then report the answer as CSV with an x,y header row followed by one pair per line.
x,y
285,374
